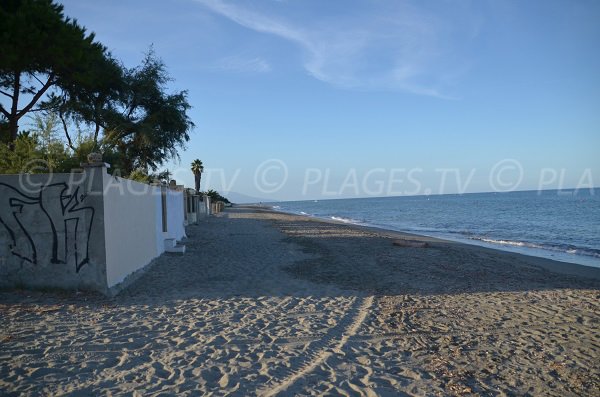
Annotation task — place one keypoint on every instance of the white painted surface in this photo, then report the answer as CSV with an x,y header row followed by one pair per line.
x,y
130,224
159,236
175,217
119,218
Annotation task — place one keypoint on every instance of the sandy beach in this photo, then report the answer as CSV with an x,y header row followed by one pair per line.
x,y
264,303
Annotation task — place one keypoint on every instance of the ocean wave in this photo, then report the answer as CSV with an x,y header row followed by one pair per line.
x,y
556,248
508,242
345,220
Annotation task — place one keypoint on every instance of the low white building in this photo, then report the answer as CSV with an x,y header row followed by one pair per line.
x,y
86,230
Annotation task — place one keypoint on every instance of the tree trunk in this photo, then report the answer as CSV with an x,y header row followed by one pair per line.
x,y
197,182
13,129
13,120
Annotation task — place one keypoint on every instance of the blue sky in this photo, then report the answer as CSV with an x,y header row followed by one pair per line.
x,y
329,99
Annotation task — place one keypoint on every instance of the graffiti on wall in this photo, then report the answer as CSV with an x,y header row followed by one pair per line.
x,y
56,210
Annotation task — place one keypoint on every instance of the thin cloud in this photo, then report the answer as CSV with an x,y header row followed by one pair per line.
x,y
400,48
252,20
243,65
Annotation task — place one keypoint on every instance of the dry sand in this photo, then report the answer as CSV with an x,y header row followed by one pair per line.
x,y
266,303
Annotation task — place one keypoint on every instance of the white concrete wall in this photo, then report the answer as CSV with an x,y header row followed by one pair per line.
x,y
130,218
52,231
175,217
88,230
201,209
159,236
207,205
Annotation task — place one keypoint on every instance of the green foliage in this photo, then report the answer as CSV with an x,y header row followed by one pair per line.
x,y
163,176
197,169
34,151
93,101
50,63
41,149
83,145
140,175
24,157
51,148
41,50
151,124
215,196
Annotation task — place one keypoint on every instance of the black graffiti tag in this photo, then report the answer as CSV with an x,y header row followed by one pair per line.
x,y
57,207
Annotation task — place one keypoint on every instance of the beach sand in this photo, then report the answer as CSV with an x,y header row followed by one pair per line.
x,y
267,303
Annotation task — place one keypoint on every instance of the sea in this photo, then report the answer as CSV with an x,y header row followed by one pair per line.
x,y
563,225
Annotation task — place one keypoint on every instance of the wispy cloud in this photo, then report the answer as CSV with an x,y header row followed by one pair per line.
x,y
236,63
396,47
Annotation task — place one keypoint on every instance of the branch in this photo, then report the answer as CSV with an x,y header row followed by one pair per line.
x,y
37,96
42,109
6,93
39,81
4,111
115,139
96,132
64,123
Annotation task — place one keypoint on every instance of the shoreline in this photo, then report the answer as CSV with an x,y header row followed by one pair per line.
x,y
556,265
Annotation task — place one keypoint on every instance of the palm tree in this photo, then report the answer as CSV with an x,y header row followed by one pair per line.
x,y
197,169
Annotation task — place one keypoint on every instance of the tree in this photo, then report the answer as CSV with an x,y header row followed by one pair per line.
x,y
216,196
94,100
48,63
162,177
36,150
197,169
139,175
41,50
52,150
25,156
151,124
132,116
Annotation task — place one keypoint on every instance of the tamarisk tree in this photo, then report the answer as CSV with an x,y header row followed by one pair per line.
x,y
151,124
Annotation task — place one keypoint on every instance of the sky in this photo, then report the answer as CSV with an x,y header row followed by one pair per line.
x,y
308,99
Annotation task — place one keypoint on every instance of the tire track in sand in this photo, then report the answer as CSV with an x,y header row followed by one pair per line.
x,y
324,348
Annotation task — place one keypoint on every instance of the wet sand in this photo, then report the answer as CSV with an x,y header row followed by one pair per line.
x,y
273,304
